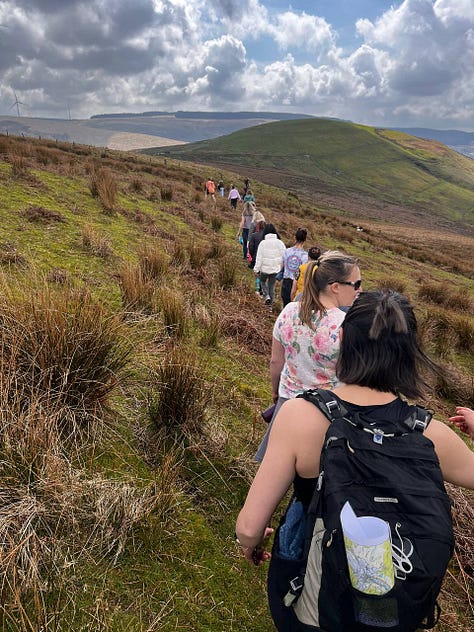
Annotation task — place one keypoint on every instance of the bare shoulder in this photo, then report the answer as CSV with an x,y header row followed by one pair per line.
x,y
302,417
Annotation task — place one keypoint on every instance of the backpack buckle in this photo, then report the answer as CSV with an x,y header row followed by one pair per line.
x,y
332,406
296,585
419,420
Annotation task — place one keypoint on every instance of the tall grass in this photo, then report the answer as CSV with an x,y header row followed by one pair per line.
x,y
153,261
103,185
138,289
171,305
60,347
177,398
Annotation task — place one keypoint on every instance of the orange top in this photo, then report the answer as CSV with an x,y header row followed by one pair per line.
x,y
210,186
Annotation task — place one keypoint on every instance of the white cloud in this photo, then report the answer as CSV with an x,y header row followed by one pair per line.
x,y
414,62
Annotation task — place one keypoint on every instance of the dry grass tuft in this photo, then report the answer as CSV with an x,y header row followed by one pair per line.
x,y
226,274
96,244
389,282
137,287
103,185
457,594
453,385
171,306
216,223
177,399
153,261
61,348
443,294
9,256
42,215
166,192
19,165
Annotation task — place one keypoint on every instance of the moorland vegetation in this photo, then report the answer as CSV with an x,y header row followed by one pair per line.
x,y
133,368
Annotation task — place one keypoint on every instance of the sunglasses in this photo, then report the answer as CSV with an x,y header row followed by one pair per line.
x,y
355,284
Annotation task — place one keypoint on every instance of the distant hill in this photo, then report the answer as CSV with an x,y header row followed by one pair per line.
x,y
463,142
335,158
130,130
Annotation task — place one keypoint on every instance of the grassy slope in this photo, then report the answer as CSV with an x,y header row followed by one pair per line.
x,y
182,572
385,165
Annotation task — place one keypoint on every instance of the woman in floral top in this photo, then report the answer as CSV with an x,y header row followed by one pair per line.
x,y
306,334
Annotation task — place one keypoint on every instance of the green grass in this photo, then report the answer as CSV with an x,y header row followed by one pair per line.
x,y
182,571
344,157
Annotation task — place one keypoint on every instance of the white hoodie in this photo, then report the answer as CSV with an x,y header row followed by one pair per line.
x,y
269,255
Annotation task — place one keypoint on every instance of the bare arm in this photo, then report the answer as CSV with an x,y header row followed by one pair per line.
x,y
277,363
456,459
294,445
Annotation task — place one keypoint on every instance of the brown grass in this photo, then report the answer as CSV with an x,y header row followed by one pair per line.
x,y
177,399
40,215
98,245
138,289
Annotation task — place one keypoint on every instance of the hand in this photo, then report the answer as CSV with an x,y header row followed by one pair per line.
x,y
259,555
275,397
464,420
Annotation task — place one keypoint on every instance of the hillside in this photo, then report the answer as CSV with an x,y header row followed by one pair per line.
x,y
332,162
134,368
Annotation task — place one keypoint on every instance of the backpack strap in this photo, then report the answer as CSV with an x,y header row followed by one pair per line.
x,y
326,402
419,419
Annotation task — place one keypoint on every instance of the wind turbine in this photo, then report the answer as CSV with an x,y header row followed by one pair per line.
x,y
17,103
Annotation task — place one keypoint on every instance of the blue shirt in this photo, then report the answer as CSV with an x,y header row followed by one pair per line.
x,y
292,259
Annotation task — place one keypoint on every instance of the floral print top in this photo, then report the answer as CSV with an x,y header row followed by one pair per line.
x,y
310,354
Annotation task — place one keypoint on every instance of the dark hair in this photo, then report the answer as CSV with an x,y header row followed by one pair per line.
x,y
269,228
319,274
379,346
301,234
314,253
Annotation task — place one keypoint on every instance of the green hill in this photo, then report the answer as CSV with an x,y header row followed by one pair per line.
x,y
134,368
339,158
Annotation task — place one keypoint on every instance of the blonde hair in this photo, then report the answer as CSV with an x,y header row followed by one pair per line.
x,y
331,266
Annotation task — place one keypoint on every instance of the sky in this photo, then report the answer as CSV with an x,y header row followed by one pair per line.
x,y
373,62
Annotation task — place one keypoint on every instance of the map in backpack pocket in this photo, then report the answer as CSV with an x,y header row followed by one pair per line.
x,y
369,552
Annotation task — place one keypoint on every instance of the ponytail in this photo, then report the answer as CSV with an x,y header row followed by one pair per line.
x,y
330,267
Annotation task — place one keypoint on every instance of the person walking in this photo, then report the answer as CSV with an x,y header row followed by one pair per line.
x,y
292,259
211,190
268,261
380,363
296,289
305,343
244,226
234,196
220,186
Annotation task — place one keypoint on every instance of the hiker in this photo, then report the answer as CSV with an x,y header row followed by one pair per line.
x,y
234,196
305,342
244,226
269,261
220,186
380,362
211,190
313,255
249,197
292,259
246,186
256,235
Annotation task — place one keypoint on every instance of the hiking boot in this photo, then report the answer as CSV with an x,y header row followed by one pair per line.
x,y
268,301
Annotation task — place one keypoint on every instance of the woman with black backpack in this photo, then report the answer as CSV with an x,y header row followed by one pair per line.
x,y
365,444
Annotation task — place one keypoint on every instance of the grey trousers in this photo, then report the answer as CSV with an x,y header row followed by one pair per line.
x,y
262,448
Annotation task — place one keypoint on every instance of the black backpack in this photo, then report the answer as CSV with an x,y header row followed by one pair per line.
x,y
390,471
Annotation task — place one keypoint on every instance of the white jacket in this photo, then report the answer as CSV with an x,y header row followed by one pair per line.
x,y
269,255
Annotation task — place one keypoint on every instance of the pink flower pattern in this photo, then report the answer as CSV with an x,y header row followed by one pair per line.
x,y
310,355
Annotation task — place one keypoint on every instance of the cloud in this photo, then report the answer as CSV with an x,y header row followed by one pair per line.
x,y
305,31
412,63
